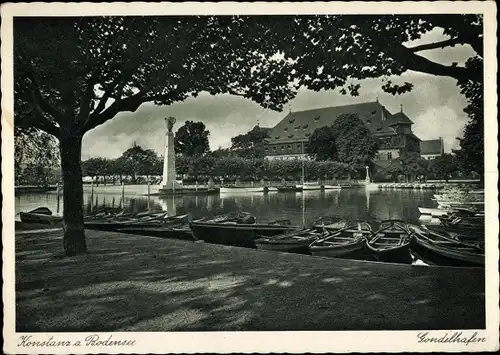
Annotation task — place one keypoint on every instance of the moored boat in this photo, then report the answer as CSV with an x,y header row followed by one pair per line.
x,y
40,215
170,231
446,249
309,186
241,189
297,241
332,187
391,242
237,230
342,242
433,211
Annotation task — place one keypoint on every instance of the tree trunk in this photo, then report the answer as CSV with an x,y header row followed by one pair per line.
x,y
74,235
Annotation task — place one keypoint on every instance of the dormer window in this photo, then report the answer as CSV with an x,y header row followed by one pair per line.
x,y
290,136
308,134
317,118
368,121
305,126
291,120
374,112
276,137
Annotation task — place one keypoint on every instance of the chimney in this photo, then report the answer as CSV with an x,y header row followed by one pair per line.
x,y
401,108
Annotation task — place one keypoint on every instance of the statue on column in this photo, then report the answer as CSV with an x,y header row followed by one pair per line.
x,y
170,121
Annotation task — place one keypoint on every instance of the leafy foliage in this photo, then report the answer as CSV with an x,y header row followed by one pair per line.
x,y
356,145
192,139
322,144
443,166
35,157
251,144
412,164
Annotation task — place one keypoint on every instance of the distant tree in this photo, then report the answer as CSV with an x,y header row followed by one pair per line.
x,y
139,161
97,167
356,145
251,144
443,166
36,156
412,165
222,152
322,145
192,139
470,156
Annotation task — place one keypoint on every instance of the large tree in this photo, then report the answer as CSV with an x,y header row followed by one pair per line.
x,y
443,166
192,139
322,145
73,74
356,145
251,144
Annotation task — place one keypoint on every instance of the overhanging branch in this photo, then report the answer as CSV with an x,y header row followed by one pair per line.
x,y
436,45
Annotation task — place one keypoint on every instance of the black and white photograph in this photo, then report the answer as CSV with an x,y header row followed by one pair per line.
x,y
249,177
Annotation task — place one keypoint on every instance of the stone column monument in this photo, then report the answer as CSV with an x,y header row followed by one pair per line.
x,y
169,184
367,179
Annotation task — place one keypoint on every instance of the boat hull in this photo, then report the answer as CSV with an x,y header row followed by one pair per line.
x,y
225,190
286,244
338,251
183,233
441,255
27,217
308,187
332,187
394,255
243,235
436,212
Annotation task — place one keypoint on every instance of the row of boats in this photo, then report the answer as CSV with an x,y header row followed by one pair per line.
x,y
410,185
458,240
297,188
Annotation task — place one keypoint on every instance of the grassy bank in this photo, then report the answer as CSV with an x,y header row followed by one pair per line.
x,y
146,284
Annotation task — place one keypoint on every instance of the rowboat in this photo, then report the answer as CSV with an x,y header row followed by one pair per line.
x,y
342,242
271,189
237,230
446,249
40,215
433,211
330,223
391,242
289,188
297,241
240,189
112,224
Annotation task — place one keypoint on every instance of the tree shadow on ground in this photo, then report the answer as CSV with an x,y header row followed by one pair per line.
x,y
134,283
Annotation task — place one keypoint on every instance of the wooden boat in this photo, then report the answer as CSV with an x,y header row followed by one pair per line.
x,y
391,242
240,189
235,229
113,224
271,189
342,242
445,247
40,215
433,211
330,223
297,241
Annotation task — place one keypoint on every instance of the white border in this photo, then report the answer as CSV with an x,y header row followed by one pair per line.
x,y
223,342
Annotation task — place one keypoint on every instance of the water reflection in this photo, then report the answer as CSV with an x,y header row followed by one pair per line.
x,y
298,207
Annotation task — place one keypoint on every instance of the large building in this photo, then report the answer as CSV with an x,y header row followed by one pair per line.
x,y
288,139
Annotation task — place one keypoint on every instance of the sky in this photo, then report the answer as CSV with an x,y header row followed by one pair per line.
x,y
435,105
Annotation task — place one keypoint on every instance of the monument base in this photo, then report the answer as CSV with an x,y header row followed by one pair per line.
x,y
170,189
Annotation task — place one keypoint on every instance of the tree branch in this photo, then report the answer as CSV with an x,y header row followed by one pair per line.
x,y
425,47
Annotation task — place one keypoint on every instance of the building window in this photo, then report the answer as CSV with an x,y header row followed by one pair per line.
x,y
308,134
282,147
290,136
285,129
299,146
276,137
292,120
305,126
289,146
266,148
305,145
317,118
389,155
274,148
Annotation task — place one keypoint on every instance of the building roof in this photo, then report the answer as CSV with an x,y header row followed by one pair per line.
x,y
298,126
431,147
399,118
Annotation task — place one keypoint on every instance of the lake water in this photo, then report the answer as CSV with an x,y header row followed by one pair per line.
x,y
300,207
